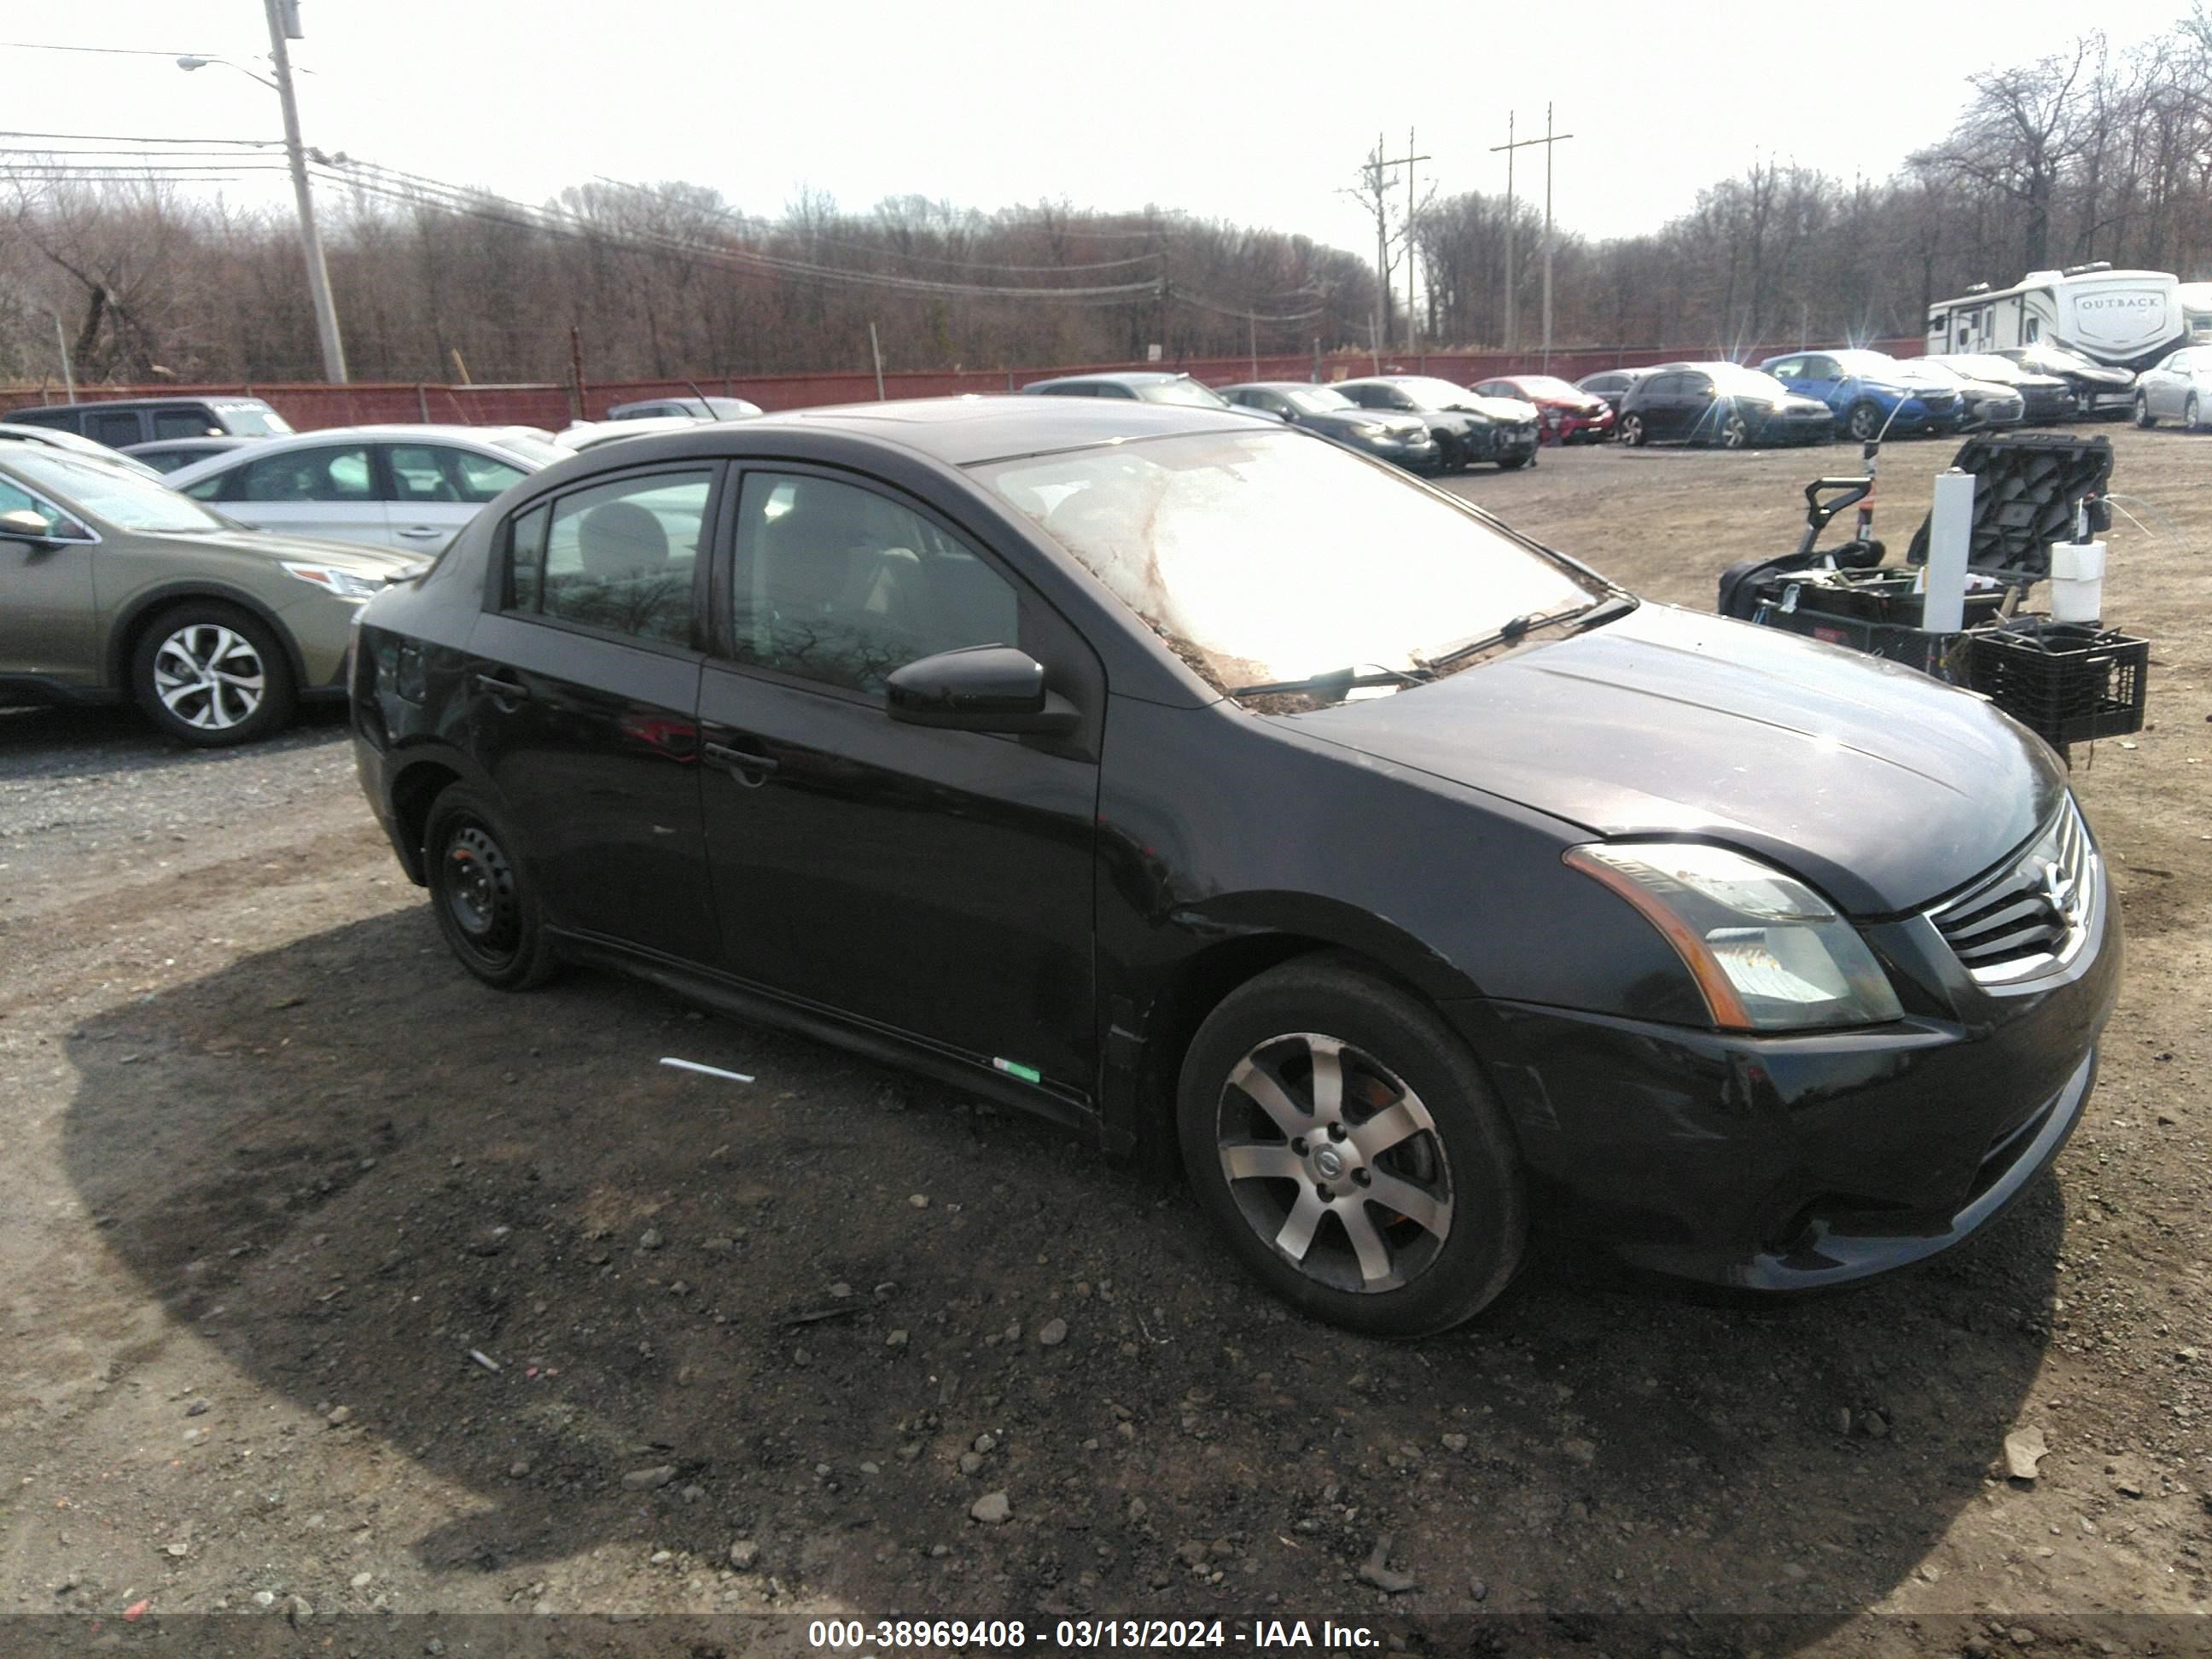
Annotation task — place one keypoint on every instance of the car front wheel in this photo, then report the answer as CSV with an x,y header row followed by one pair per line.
x,y
1632,431
212,676
2144,418
2188,420
485,905
1865,422
1735,432
1343,1140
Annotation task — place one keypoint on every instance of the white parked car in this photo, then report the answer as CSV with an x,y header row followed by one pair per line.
x,y
407,487
588,434
2178,389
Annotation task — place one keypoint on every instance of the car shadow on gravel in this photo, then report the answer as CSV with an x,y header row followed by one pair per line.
x,y
58,743
823,1314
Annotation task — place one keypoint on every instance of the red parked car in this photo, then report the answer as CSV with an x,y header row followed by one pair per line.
x,y
1569,415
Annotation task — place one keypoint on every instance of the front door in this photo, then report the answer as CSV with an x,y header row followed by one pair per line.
x,y
583,704
49,627
934,883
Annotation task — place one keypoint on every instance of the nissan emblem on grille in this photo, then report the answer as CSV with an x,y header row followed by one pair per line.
x,y
2027,918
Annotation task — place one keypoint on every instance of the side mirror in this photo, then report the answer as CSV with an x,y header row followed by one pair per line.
x,y
25,525
981,687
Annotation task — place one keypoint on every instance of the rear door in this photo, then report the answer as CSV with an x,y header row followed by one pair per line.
x,y
936,884
1659,403
432,489
322,490
583,686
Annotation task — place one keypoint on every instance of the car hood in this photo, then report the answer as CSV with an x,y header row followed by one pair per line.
x,y
1988,389
354,557
1404,425
1879,786
1498,409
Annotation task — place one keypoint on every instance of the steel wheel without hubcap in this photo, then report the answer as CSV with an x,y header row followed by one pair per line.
x,y
1335,1162
484,902
208,676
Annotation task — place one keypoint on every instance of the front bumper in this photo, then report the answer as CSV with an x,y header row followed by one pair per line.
x,y
1501,441
1788,1163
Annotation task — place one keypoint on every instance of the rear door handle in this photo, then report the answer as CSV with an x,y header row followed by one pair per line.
x,y
748,768
504,690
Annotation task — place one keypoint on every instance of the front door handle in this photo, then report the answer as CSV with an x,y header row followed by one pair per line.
x,y
421,532
502,691
749,770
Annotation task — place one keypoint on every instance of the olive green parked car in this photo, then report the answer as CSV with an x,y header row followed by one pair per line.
x,y
112,586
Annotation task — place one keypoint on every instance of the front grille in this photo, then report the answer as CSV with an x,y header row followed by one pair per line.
x,y
2029,916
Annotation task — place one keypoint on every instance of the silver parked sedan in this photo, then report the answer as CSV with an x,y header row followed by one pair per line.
x,y
405,487
2178,389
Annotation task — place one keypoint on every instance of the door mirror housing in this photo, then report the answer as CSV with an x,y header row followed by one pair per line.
x,y
979,688
25,525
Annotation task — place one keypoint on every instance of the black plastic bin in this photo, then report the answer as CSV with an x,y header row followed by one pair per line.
x,y
2066,682
1916,647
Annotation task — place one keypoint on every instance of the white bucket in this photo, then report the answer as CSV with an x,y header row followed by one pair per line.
x,y
2077,582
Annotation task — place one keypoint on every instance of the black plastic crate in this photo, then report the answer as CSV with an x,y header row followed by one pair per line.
x,y
1881,595
2066,682
1916,647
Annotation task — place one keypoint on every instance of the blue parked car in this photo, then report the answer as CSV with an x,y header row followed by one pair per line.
x,y
1871,391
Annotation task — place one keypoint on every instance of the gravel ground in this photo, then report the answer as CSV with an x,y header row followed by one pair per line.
x,y
331,1284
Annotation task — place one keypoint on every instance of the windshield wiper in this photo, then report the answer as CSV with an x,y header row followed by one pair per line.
x,y
1584,616
1336,682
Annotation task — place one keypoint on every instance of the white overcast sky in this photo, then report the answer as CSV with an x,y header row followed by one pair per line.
x,y
1248,112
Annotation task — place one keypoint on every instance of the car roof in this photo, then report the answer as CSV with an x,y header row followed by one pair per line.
x,y
1277,385
1113,377
963,430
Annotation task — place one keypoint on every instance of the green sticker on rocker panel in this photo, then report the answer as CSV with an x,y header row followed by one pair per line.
x,y
1015,1068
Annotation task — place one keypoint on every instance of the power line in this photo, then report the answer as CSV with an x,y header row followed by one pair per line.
x,y
108,51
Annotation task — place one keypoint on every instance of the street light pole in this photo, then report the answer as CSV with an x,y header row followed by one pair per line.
x,y
319,275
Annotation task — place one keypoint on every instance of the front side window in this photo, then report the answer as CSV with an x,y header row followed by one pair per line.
x,y
181,423
1262,559
340,472
57,523
841,585
619,556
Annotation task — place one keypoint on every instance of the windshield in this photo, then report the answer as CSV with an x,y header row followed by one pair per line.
x,y
1263,558
1748,382
122,499
1183,391
537,450
1319,399
1431,393
1985,369
253,421
1878,364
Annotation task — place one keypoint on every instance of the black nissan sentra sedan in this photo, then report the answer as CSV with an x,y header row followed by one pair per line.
x,y
1221,792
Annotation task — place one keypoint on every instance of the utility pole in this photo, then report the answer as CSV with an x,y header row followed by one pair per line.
x,y
319,275
1375,167
1550,138
1410,158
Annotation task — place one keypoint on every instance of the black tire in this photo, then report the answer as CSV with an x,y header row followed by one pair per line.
x,y
2144,418
1864,422
485,906
1439,1146
212,675
1511,463
1632,433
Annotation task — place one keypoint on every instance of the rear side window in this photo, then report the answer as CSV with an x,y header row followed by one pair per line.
x,y
619,556
439,472
114,429
182,423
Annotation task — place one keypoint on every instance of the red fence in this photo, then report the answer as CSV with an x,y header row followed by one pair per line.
x,y
551,406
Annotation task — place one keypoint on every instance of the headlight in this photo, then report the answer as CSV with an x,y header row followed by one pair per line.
x,y
1766,951
1371,429
343,583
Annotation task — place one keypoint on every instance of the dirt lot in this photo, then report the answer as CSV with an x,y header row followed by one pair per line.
x,y
331,1284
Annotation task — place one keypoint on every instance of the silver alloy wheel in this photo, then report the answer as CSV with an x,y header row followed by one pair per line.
x,y
1735,432
1632,430
210,676
1334,1161
2189,414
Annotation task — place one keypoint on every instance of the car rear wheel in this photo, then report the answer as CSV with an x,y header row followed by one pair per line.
x,y
2144,418
486,907
1864,422
1632,431
1343,1140
211,674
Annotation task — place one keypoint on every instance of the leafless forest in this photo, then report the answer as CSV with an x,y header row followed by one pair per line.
x,y
2089,154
